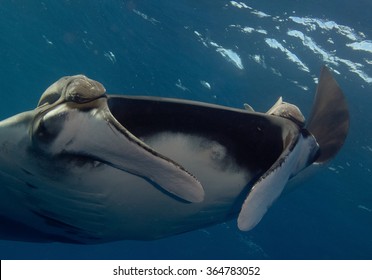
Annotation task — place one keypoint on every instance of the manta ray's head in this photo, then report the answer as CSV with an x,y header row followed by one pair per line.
x,y
287,111
59,104
78,89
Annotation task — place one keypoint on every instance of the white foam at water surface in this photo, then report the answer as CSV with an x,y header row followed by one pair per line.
x,y
240,5
205,84
280,31
308,42
230,55
328,25
273,43
330,57
365,45
364,208
260,14
145,17
110,56
248,29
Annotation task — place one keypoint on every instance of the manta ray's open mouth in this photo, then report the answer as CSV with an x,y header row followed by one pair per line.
x,y
254,136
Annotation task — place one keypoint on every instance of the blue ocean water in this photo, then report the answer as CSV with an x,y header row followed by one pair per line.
x,y
224,52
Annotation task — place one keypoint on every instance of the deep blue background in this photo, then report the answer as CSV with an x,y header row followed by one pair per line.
x,y
155,48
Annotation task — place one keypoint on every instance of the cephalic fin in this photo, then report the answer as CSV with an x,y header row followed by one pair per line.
x,y
297,155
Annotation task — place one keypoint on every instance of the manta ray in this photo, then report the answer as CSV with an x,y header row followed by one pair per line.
x,y
89,167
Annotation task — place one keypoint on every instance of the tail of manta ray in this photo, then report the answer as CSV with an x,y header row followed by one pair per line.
x,y
321,139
